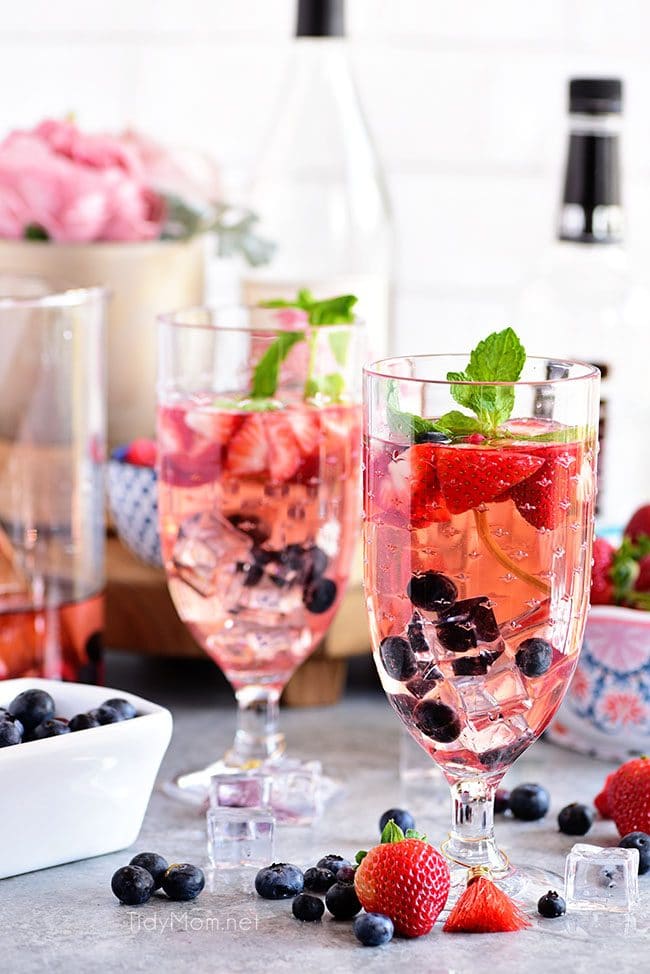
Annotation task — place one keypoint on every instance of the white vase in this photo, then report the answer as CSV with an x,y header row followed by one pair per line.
x,y
143,280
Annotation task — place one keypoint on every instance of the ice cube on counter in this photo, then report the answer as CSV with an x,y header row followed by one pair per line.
x,y
601,879
240,837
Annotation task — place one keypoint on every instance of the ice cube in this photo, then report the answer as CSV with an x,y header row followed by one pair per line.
x,y
599,879
207,550
13,582
240,790
296,795
240,837
505,685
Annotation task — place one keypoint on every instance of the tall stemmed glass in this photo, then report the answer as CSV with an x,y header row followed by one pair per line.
x,y
477,554
259,433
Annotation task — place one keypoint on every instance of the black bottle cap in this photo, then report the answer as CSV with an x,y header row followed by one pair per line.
x,y
320,18
596,96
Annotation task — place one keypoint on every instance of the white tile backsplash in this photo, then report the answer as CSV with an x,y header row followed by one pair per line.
x,y
466,101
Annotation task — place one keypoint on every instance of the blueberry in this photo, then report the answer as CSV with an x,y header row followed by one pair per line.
x,y
7,718
279,881
400,817
466,623
342,901
254,575
346,874
293,557
529,802
318,880
640,841
105,715
319,596
182,881
551,905
125,708
534,656
431,591
316,562
50,728
10,733
154,864
398,658
431,436
83,722
332,862
575,819
373,929
437,721
417,639
307,908
501,801
132,885
470,665
32,707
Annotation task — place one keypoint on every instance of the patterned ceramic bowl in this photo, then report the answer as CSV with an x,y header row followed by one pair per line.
x,y
606,712
133,500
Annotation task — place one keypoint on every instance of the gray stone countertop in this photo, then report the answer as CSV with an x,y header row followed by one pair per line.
x,y
66,919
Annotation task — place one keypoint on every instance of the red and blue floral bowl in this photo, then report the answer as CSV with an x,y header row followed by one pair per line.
x,y
606,712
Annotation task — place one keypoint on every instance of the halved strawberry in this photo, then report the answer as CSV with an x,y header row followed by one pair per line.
x,y
248,451
306,429
217,426
469,477
409,491
543,499
284,453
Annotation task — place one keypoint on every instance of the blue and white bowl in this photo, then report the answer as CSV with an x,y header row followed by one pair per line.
x,y
133,501
606,712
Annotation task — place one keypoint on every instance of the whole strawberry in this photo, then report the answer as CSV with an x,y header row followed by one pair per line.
x,y
602,587
639,524
405,879
629,796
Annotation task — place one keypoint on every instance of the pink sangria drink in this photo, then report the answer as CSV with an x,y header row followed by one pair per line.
x,y
259,437
259,515
478,533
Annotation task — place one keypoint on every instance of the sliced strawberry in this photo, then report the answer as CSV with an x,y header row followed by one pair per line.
x,y
141,453
284,453
217,426
306,429
544,499
248,451
409,491
469,477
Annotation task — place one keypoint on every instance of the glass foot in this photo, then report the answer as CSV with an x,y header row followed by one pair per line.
x,y
295,791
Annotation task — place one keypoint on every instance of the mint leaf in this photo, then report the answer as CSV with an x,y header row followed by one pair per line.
x,y
330,311
267,370
498,358
407,424
34,231
339,343
458,424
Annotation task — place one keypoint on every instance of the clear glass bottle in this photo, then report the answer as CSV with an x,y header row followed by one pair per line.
x,y
318,186
583,302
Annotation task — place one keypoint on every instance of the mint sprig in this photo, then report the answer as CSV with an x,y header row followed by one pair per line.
x,y
331,311
498,358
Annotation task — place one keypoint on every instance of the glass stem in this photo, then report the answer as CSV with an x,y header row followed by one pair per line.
x,y
258,738
471,840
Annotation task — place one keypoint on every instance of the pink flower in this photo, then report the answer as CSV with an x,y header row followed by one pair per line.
x,y
191,175
78,188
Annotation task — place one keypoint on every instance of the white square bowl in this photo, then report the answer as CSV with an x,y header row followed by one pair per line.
x,y
82,794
